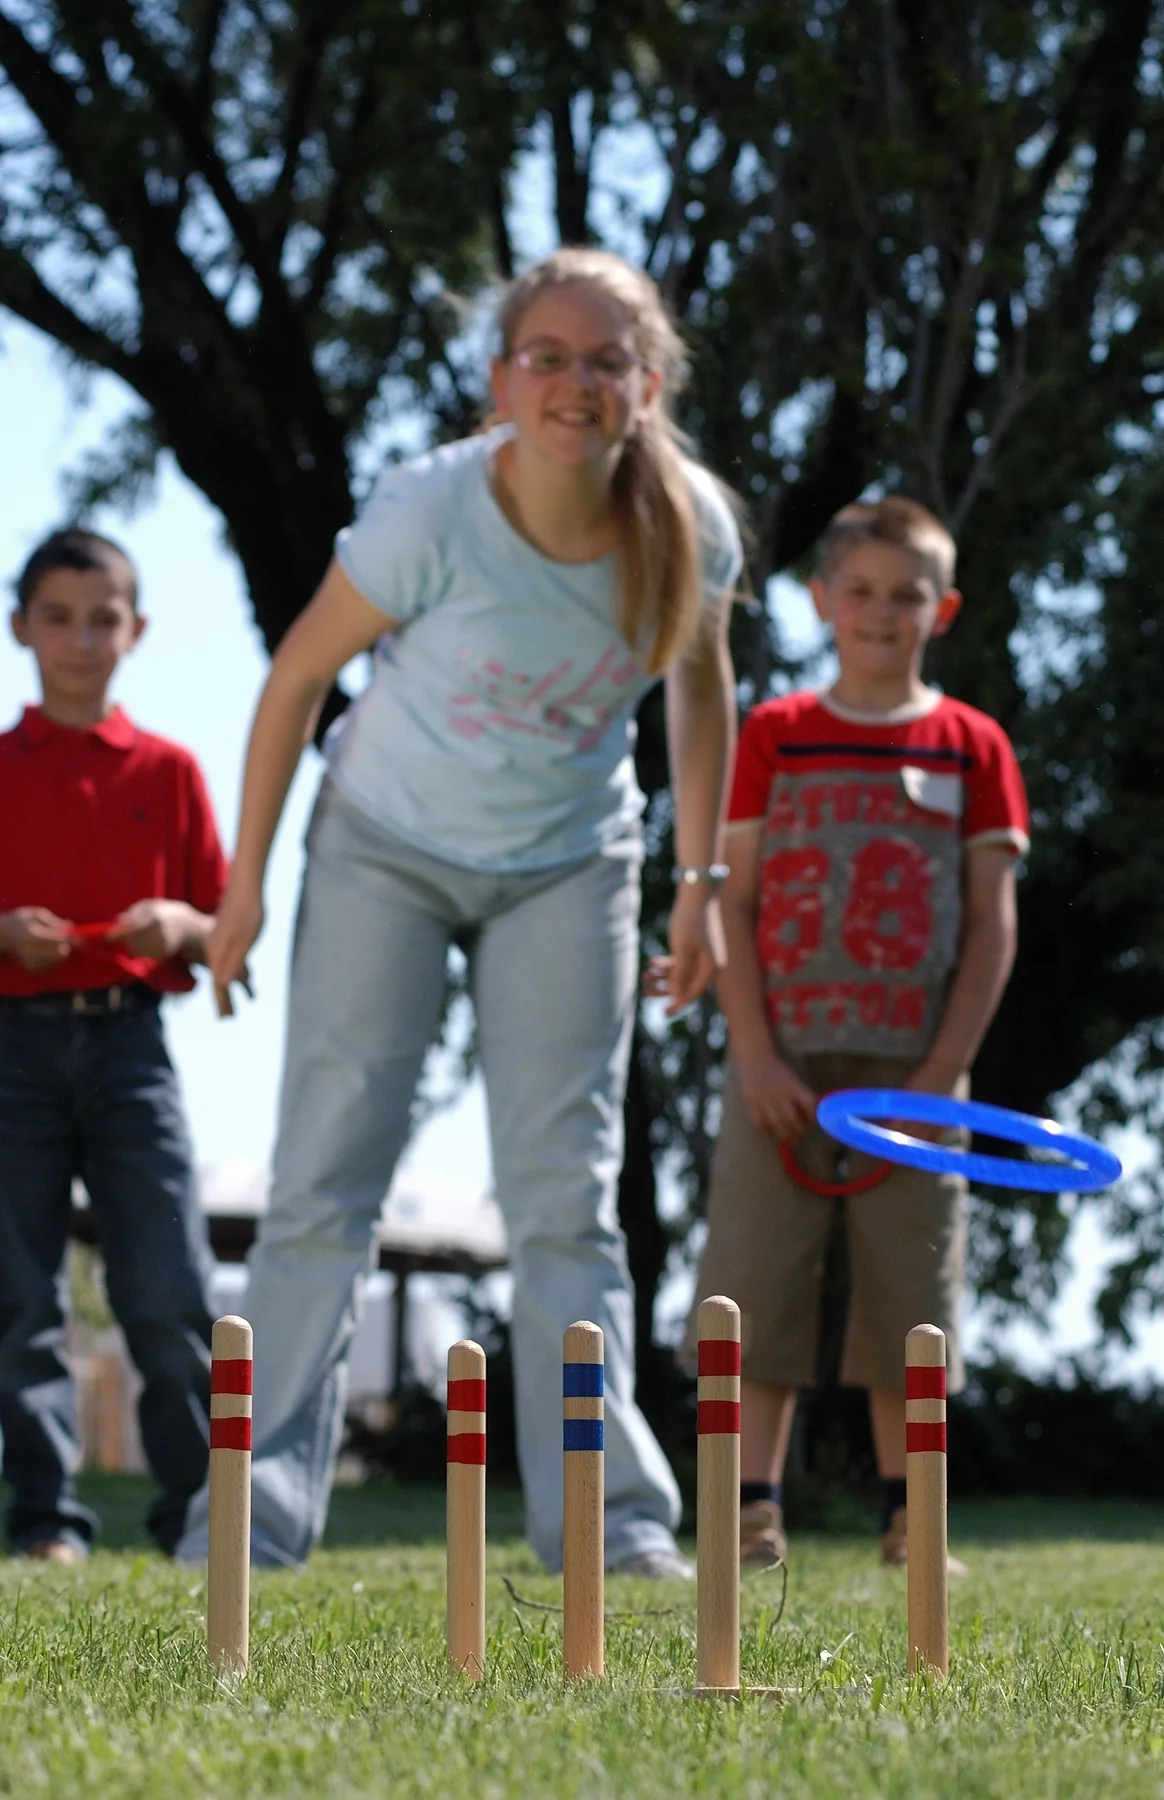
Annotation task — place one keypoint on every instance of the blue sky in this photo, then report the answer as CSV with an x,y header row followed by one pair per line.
x,y
195,677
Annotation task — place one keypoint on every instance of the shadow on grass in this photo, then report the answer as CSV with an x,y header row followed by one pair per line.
x,y
389,1512
378,1512
384,1512
1016,1521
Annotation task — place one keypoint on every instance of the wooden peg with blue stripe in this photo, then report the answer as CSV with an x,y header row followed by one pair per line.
x,y
582,1501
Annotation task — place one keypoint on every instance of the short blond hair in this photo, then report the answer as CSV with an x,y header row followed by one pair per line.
x,y
893,520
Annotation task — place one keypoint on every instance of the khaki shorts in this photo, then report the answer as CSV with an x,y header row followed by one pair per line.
x,y
767,1239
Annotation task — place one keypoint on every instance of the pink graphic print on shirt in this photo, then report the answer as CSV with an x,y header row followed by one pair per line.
x,y
859,913
558,706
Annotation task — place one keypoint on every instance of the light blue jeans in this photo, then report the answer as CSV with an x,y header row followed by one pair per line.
x,y
553,960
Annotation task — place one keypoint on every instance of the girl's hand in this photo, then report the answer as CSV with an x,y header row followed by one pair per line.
x,y
238,923
697,950
778,1102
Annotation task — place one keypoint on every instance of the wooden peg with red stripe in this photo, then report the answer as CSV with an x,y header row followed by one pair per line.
x,y
228,1572
718,1497
465,1510
925,1497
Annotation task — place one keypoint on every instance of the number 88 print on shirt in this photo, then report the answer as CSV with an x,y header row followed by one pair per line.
x,y
865,820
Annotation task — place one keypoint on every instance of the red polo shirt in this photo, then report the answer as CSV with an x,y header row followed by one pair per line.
x,y
90,822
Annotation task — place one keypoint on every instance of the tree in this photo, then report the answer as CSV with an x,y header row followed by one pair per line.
x,y
914,244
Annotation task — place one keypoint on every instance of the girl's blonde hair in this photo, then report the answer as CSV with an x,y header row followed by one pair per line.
x,y
659,601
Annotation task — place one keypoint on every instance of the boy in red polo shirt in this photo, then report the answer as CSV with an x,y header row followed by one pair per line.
x,y
110,872
869,911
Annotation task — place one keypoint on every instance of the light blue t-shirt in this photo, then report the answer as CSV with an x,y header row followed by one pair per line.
x,y
498,729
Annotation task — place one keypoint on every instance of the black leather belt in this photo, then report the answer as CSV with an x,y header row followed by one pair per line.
x,y
85,1003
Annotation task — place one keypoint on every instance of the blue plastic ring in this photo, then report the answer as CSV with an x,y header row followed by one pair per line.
x,y
844,1114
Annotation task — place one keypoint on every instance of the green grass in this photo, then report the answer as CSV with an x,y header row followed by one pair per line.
x,y
1057,1684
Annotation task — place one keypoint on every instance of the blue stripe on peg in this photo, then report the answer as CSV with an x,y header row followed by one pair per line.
x,y
582,1381
581,1434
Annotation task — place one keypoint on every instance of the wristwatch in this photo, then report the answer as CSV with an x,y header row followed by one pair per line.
x,y
713,875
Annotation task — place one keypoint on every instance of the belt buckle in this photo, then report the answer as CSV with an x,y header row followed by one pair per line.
x,y
107,1001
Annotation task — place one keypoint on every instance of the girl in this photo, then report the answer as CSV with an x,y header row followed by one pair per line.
x,y
523,588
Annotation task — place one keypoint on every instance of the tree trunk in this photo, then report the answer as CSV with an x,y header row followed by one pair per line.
x,y
646,1237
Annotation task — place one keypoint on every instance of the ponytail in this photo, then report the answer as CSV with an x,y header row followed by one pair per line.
x,y
659,602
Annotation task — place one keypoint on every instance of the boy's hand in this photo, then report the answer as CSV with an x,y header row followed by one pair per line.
x,y
237,925
35,937
929,1078
155,929
778,1102
697,950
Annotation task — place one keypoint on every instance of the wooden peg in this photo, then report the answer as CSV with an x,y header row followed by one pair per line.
x,y
465,1509
228,1572
927,1575
582,1501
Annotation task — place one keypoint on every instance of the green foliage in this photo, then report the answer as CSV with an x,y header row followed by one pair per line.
x,y
88,1301
1056,1684
912,243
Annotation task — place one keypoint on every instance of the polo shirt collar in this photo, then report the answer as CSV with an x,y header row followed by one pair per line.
x,y
116,729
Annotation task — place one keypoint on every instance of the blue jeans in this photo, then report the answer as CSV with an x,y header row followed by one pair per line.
x,y
97,1097
553,959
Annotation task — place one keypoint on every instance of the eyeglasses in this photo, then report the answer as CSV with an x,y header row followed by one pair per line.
x,y
545,357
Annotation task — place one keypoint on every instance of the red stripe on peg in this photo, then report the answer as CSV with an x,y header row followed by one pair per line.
x,y
230,1434
466,1396
719,1356
718,1417
925,1437
467,1447
231,1375
925,1384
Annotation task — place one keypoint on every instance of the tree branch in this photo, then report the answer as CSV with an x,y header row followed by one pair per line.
x,y
571,171
301,94
349,160
24,293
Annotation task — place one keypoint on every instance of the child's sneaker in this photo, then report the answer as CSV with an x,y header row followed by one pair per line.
x,y
762,1541
895,1547
52,1550
655,1565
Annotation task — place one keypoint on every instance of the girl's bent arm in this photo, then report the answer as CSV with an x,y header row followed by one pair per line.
x,y
701,717
701,722
334,627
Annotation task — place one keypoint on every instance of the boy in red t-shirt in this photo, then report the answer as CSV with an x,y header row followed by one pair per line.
x,y
110,873
869,912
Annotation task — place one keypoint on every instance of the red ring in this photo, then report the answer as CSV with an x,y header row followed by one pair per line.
x,y
95,933
832,1190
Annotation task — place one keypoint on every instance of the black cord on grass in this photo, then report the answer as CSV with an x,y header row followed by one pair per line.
x,y
643,1612
646,1612
783,1568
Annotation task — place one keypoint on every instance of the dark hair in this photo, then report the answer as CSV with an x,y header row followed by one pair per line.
x,y
72,548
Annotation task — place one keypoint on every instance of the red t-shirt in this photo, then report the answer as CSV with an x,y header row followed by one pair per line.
x,y
90,822
864,825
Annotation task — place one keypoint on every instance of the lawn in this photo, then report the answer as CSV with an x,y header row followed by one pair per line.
x,y
1056,1688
